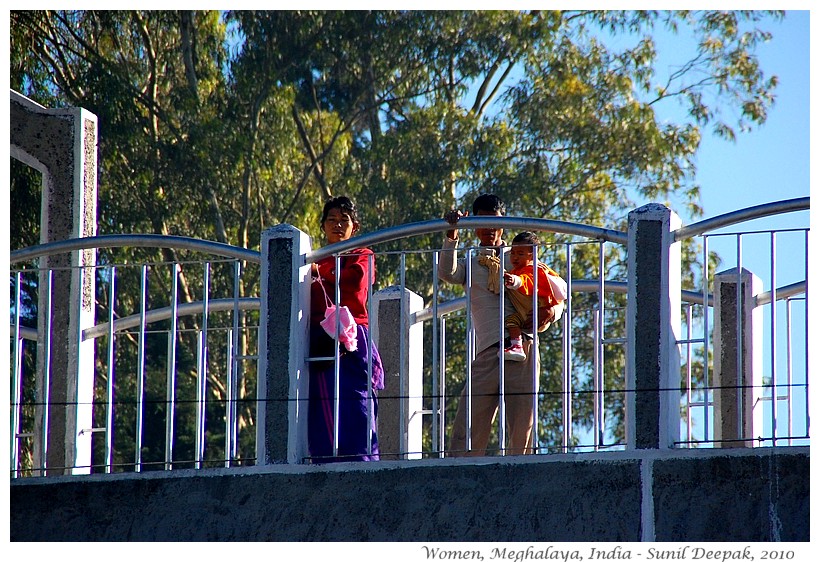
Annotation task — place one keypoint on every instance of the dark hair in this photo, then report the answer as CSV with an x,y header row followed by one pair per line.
x,y
489,203
526,237
343,203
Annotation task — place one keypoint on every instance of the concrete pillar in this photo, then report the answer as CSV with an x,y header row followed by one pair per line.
x,y
282,381
62,145
738,359
653,324
401,348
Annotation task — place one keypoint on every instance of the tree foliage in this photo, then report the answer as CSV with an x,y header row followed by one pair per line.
x,y
219,125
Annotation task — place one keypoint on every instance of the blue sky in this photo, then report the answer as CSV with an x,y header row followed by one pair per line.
x,y
768,164
772,162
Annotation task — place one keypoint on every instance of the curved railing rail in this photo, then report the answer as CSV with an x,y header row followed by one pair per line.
x,y
439,225
160,314
398,232
743,215
134,241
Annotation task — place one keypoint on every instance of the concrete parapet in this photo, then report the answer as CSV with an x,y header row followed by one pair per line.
x,y
627,496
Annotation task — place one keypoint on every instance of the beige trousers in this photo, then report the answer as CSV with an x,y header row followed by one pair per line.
x,y
518,396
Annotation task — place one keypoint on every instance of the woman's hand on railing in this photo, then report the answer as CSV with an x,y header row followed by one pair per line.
x,y
452,216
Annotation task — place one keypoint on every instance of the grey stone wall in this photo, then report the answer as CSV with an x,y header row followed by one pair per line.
x,y
707,495
759,497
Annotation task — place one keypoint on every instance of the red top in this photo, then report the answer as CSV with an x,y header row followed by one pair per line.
x,y
544,287
353,283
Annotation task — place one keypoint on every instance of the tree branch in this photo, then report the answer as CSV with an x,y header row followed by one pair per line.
x,y
316,166
188,39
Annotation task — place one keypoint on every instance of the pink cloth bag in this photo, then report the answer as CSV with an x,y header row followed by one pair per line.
x,y
346,323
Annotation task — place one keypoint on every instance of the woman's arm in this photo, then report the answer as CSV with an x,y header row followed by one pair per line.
x,y
354,269
450,269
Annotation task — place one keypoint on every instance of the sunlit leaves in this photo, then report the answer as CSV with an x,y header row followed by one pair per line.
x,y
219,125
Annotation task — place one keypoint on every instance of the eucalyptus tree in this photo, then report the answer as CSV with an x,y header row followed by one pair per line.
x,y
535,106
219,126
155,81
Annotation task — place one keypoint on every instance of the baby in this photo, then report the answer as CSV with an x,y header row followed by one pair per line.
x,y
520,282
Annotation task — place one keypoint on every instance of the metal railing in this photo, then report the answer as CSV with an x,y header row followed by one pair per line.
x,y
158,372
181,361
771,339
581,374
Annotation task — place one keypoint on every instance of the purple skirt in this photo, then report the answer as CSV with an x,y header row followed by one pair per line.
x,y
355,400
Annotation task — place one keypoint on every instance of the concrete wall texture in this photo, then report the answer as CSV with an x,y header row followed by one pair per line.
x,y
751,495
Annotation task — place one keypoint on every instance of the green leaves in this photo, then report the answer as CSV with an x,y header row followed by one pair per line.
x,y
269,112
219,125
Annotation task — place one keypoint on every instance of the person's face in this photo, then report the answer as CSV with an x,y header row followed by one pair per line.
x,y
489,236
520,255
338,226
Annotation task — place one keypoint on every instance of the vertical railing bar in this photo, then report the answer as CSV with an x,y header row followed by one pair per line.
x,y
534,349
689,374
198,446
789,369
596,358
806,327
170,392
238,369
469,382
46,372
370,390
441,375
234,363
434,368
141,369
403,398
741,391
229,378
202,371
773,333
706,398
206,303
17,382
336,365
109,412
567,363
599,347
502,401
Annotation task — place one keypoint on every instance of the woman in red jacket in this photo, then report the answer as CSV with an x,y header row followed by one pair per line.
x,y
357,440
